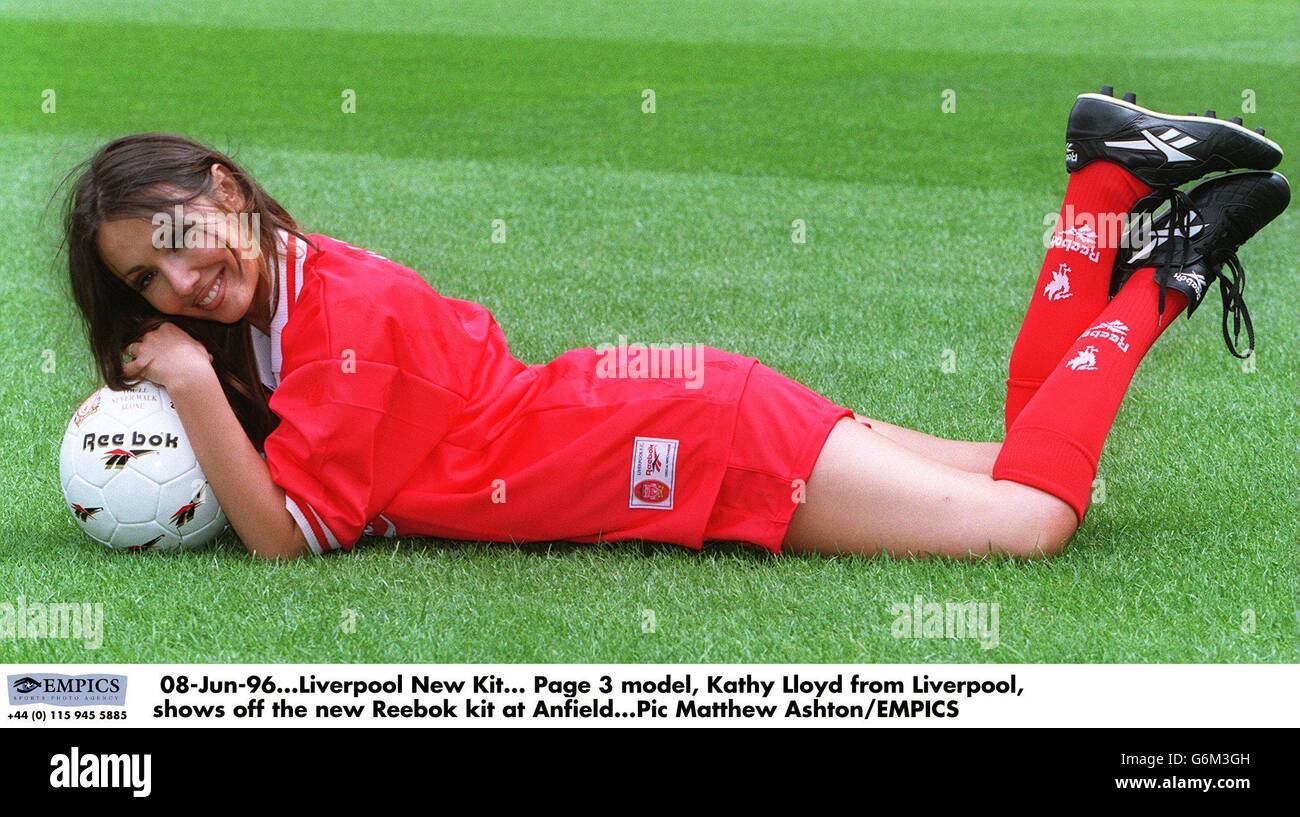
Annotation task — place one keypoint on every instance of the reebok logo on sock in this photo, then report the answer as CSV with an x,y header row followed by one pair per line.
x,y
1110,330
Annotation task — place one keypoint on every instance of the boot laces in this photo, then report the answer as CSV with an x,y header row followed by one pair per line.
x,y
1174,259
1233,303
1178,242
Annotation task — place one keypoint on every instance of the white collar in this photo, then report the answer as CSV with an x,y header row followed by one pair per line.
x,y
288,281
262,349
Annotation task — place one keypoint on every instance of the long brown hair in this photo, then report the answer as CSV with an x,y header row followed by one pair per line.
x,y
135,177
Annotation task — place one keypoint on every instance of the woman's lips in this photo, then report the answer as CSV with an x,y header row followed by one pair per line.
x,y
220,284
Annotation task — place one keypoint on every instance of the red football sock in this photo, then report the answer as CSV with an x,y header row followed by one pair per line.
x,y
1056,441
1074,283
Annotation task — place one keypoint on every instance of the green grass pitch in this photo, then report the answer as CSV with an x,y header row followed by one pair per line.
x,y
924,234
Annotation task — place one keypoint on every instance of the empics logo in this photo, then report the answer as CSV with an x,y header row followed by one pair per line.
x,y
92,771
67,690
26,685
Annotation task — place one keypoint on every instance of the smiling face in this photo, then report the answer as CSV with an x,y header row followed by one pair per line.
x,y
202,271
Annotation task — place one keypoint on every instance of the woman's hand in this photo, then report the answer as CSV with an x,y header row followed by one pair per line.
x,y
168,356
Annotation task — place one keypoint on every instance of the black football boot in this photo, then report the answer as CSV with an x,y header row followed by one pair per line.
x,y
1161,149
1223,213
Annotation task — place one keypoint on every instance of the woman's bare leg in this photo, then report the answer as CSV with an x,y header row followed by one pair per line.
x,y
868,494
976,457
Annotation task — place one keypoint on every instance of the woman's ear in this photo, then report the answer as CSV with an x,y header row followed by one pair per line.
x,y
225,189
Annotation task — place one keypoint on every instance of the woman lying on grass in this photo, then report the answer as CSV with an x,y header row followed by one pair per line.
x,y
384,408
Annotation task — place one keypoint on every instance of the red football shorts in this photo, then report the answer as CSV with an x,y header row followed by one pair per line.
x,y
781,427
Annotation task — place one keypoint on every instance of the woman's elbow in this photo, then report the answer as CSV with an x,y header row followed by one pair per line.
x,y
293,548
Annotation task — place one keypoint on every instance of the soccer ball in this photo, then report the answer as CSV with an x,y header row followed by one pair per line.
x,y
130,477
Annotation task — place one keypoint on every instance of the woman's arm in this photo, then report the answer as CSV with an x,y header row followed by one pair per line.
x,y
238,474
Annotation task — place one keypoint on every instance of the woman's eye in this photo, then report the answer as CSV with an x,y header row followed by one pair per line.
x,y
145,278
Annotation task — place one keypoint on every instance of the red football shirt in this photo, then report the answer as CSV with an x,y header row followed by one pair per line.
x,y
403,413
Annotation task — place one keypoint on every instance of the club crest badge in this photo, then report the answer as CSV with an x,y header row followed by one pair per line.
x,y
654,473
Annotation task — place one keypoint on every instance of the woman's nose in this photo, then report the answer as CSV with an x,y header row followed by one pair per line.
x,y
182,277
